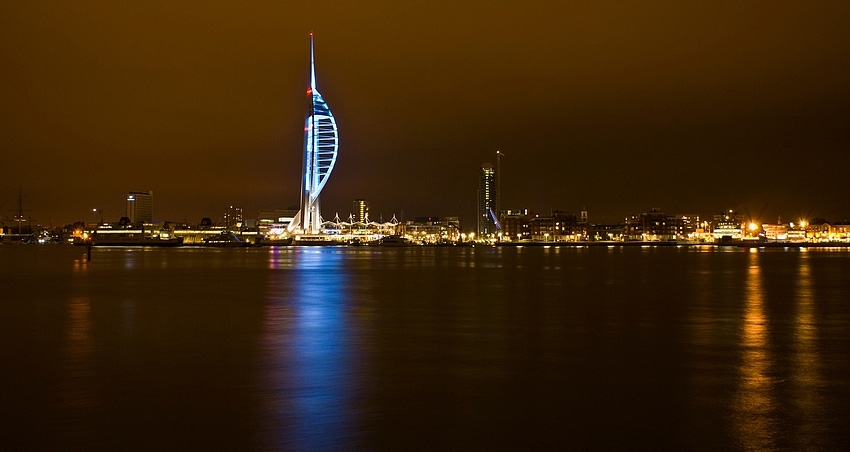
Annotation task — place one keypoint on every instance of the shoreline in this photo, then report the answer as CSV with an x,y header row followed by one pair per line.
x,y
674,243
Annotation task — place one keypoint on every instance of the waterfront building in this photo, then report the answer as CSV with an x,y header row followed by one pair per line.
x,y
652,226
487,222
362,230
728,226
687,226
775,232
606,232
233,218
817,232
800,231
321,146
275,222
361,210
140,206
515,225
433,229
796,234
541,228
582,226
838,232
656,225
564,225
557,227
452,224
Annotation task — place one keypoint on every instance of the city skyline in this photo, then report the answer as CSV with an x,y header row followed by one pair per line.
x,y
616,108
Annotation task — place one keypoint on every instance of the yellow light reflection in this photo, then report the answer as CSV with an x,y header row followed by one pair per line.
x,y
754,401
78,386
806,371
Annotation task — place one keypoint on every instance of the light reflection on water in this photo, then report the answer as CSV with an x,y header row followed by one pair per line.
x,y
425,348
309,351
78,387
806,379
754,398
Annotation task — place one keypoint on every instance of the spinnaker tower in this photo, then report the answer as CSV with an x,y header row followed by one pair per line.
x,y
321,146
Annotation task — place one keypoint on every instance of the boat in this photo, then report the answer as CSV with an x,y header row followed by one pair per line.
x,y
275,242
133,240
225,239
313,240
127,237
394,240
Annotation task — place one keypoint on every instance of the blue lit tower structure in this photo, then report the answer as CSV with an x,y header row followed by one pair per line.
x,y
321,145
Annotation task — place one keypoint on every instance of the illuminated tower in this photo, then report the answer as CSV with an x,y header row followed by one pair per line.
x,y
361,209
321,145
486,201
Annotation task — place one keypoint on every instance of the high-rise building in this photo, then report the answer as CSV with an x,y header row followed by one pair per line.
x,y
487,220
321,145
140,206
233,218
361,210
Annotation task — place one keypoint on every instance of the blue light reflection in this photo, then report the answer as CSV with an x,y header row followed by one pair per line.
x,y
309,351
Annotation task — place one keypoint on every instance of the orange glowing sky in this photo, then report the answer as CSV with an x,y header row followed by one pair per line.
x,y
614,106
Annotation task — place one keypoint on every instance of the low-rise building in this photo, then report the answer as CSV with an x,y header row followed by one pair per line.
x,y
606,232
728,226
652,226
515,225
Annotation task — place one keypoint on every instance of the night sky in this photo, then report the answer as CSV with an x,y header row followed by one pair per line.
x,y
613,106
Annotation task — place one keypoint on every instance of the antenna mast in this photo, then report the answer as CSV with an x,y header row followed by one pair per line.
x,y
312,64
19,218
499,155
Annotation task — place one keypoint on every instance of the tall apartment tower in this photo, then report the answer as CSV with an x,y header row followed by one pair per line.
x,y
361,210
321,145
487,195
233,218
140,206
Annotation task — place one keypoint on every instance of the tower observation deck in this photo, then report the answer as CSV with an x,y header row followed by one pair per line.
x,y
321,145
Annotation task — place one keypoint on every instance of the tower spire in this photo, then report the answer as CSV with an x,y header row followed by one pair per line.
x,y
312,64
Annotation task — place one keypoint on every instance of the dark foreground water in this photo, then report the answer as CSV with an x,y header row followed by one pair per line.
x,y
424,349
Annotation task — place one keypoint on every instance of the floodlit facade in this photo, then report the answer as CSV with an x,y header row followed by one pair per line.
x,y
321,145
140,206
728,226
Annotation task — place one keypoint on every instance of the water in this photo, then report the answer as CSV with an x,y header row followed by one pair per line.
x,y
424,349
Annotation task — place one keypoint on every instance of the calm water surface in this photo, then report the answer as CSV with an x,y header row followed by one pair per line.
x,y
424,349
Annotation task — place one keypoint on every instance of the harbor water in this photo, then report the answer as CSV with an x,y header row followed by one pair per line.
x,y
424,348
